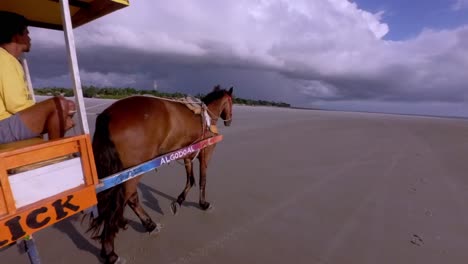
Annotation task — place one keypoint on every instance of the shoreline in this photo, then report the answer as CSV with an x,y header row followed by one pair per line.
x,y
316,109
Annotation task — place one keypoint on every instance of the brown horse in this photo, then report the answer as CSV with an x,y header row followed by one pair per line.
x,y
136,129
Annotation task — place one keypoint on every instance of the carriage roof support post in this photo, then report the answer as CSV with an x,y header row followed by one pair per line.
x,y
24,62
29,243
73,62
75,72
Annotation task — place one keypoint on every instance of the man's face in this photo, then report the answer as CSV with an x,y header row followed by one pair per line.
x,y
24,40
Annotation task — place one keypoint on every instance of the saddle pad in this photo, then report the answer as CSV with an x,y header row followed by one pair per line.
x,y
193,104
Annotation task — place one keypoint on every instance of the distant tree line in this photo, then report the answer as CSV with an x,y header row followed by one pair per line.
x,y
117,93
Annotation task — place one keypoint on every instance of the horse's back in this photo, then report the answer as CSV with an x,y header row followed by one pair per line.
x,y
143,127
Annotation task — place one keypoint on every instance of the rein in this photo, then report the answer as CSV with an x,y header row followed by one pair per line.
x,y
216,118
206,112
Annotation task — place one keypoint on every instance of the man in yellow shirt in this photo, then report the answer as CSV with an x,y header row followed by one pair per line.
x,y
20,117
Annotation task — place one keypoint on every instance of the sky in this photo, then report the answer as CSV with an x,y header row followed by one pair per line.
x,y
393,56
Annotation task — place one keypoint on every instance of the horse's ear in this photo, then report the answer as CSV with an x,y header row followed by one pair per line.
x,y
217,88
230,90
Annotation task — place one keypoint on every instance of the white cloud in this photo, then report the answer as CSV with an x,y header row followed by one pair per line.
x,y
332,48
91,78
324,37
109,79
460,4
248,29
318,89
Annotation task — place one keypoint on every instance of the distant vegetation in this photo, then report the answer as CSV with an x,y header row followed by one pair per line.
x,y
117,93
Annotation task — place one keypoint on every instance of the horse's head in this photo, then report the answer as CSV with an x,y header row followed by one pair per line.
x,y
226,112
220,102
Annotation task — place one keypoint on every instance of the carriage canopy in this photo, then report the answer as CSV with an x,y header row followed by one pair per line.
x,y
47,14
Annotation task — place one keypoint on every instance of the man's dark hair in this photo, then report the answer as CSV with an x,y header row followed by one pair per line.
x,y
10,25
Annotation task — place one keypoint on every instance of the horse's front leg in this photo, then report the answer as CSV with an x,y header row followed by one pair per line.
x,y
134,203
188,184
204,158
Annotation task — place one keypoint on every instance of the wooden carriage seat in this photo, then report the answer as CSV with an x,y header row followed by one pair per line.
x,y
20,144
26,143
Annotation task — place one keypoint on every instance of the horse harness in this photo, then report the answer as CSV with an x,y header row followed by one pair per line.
x,y
199,108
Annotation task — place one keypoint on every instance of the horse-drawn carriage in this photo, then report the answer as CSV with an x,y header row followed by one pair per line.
x,y
43,182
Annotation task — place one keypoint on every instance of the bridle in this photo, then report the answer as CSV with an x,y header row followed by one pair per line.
x,y
215,118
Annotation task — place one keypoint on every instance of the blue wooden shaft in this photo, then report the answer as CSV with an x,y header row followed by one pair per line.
x,y
133,172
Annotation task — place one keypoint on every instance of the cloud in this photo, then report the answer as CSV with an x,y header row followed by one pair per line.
x,y
94,78
459,5
297,51
424,108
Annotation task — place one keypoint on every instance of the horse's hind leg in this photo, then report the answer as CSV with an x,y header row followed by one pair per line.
x,y
146,221
111,205
204,158
189,183
133,201
107,249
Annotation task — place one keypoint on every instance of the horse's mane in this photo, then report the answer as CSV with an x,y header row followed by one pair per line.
x,y
214,95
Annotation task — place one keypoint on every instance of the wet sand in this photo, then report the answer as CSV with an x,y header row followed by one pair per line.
x,y
298,186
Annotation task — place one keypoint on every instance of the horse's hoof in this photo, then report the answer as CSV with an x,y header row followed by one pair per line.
x,y
114,259
175,208
150,226
124,224
205,206
156,230
120,260
210,208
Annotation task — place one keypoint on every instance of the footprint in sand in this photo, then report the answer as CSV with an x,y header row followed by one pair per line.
x,y
417,240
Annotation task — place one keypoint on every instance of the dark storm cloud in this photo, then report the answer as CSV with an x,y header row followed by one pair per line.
x,y
299,52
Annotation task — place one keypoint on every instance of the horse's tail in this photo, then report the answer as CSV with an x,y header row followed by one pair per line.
x,y
111,202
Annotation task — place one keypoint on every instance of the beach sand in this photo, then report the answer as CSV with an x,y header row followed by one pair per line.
x,y
299,186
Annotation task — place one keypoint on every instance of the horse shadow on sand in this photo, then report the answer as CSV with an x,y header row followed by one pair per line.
x,y
151,202
82,240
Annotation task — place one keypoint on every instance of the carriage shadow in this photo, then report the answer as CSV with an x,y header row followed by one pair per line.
x,y
78,238
66,227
